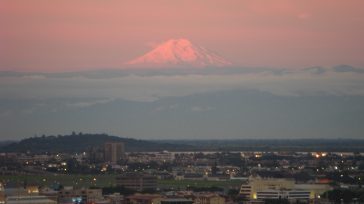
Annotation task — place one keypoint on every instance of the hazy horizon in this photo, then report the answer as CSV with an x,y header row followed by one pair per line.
x,y
39,35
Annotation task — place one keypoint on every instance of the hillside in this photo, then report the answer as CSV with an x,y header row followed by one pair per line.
x,y
82,142
5,143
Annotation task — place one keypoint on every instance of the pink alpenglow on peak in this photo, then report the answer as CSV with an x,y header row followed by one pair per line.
x,y
179,52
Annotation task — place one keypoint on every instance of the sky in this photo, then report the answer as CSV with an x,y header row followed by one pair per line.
x,y
69,35
298,69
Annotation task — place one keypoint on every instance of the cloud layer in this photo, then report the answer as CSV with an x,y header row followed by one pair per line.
x,y
207,103
151,85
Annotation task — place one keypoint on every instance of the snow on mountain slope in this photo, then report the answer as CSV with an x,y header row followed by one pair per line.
x,y
179,52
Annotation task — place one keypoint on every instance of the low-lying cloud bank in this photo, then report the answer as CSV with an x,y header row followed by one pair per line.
x,y
149,85
232,103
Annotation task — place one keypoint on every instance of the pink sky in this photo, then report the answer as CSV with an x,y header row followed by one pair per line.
x,y
67,35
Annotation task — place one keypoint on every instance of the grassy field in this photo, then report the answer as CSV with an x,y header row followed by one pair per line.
x,y
197,183
107,180
65,180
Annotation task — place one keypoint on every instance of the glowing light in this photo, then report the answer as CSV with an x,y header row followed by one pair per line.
x,y
258,156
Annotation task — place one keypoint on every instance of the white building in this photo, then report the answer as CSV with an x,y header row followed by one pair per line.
x,y
283,194
272,188
29,200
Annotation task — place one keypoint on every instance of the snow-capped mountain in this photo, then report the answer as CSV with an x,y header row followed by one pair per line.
x,y
179,52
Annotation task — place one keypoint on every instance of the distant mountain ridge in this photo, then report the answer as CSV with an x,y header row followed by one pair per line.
x,y
82,142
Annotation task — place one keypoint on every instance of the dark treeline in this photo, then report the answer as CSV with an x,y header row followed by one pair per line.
x,y
79,142
330,145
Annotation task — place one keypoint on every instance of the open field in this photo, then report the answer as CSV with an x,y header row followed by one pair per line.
x,y
107,180
182,184
65,180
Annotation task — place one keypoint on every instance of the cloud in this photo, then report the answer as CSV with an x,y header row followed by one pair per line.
x,y
89,103
206,103
229,114
166,107
347,68
151,86
201,108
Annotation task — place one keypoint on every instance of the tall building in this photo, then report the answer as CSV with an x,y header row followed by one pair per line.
x,y
113,152
96,155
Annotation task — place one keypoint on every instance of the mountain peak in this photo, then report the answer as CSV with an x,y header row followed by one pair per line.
x,y
179,52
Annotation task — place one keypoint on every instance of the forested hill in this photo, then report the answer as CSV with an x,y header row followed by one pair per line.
x,y
82,142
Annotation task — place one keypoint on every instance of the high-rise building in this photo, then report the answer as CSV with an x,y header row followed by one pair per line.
x,y
113,152
96,155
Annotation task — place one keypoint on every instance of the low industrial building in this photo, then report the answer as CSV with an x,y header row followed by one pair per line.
x,y
29,200
84,195
144,199
273,188
208,198
176,201
136,181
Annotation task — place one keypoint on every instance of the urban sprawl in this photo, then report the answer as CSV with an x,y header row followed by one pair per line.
x,y
109,175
